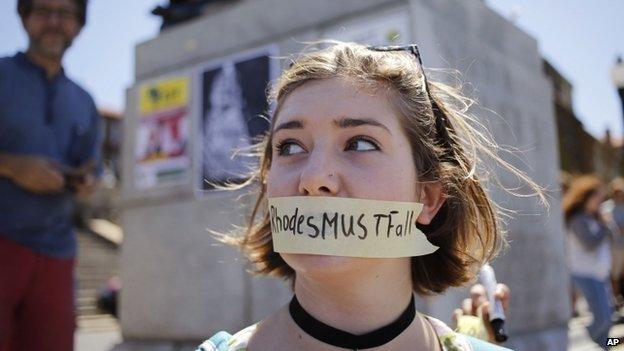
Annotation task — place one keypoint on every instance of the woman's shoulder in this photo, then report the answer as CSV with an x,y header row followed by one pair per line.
x,y
222,341
578,221
581,216
454,341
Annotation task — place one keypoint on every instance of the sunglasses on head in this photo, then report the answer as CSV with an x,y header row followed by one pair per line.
x,y
441,121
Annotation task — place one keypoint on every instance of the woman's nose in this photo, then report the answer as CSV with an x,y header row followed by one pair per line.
x,y
319,176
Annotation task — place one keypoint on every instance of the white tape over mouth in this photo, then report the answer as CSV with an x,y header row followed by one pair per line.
x,y
347,227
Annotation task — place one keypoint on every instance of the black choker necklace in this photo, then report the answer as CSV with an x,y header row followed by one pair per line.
x,y
340,338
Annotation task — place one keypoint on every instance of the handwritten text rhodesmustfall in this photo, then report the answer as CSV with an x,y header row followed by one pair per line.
x,y
328,225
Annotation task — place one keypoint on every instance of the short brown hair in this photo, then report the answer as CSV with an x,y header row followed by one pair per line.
x,y
466,229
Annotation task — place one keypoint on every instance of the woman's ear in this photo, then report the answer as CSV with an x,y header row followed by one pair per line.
x,y
432,197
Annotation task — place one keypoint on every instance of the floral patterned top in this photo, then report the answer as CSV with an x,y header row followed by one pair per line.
x,y
449,339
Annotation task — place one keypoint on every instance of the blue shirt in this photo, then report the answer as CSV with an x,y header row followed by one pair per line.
x,y
52,118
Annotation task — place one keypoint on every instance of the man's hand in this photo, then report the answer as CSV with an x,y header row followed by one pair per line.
x,y
81,179
33,173
85,187
477,305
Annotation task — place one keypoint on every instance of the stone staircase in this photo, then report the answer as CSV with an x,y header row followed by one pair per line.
x,y
98,261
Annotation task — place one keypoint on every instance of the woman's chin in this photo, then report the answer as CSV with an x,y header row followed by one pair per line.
x,y
323,264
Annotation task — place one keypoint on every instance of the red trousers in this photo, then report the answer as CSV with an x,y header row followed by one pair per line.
x,y
36,300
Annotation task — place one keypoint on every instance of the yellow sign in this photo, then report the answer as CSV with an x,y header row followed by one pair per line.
x,y
163,95
347,227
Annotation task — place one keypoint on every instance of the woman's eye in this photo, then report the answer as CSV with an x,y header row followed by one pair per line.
x,y
287,148
361,144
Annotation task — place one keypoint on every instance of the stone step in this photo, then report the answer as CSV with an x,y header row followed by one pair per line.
x,y
97,263
97,322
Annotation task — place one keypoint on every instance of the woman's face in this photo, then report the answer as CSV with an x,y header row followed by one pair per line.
x,y
594,201
333,138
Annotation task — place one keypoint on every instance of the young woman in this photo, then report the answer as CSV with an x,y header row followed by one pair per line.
x,y
356,122
589,253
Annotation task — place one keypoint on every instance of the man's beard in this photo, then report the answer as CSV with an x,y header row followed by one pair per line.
x,y
50,50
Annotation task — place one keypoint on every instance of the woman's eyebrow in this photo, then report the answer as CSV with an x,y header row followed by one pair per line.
x,y
342,122
296,124
348,122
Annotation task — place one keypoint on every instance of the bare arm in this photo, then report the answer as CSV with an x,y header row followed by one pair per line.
x,y
5,165
33,173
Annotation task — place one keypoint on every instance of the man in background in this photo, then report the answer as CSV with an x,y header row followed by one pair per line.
x,y
48,154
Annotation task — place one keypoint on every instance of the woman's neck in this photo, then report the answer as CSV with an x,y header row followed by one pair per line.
x,y
357,303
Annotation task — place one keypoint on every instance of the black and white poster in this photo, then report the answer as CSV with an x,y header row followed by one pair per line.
x,y
234,105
